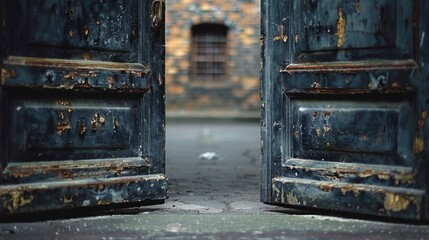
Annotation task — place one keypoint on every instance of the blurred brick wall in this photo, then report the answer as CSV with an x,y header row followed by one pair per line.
x,y
239,92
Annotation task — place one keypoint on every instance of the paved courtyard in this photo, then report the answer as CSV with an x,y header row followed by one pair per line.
x,y
214,173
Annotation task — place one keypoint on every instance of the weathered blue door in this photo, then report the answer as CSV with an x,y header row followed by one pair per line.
x,y
345,105
82,103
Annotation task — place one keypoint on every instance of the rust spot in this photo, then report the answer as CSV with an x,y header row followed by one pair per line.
x,y
110,82
424,115
419,145
85,32
115,123
16,199
341,28
103,202
396,203
5,74
102,120
327,129
62,103
67,201
326,114
77,74
82,128
285,38
86,56
281,35
326,187
137,73
62,115
318,132
292,199
314,114
94,122
67,174
62,127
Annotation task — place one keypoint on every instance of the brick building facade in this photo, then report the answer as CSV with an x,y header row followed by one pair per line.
x,y
213,57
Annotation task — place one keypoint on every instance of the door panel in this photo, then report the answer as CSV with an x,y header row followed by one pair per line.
x,y
94,21
343,106
82,103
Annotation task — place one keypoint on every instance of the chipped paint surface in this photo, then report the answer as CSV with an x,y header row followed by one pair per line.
x,y
98,191
292,199
81,105
368,156
384,201
395,202
16,199
7,74
341,29
281,36
350,67
135,68
419,145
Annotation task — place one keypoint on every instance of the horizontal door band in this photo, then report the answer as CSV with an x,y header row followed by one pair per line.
x,y
75,64
43,196
343,172
350,66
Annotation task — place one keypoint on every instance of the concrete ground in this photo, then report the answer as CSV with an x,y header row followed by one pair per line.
x,y
214,173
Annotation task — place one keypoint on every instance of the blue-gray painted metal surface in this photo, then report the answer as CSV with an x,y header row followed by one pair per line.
x,y
344,106
82,104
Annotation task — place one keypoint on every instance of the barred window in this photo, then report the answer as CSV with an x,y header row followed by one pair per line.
x,y
209,51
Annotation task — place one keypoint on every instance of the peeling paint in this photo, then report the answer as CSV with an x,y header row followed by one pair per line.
x,y
292,199
67,201
110,82
419,145
326,187
6,74
395,203
17,200
62,127
341,28
115,123
82,127
77,74
135,69
281,36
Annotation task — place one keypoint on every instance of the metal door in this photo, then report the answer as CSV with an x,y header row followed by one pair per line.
x,y
82,103
344,105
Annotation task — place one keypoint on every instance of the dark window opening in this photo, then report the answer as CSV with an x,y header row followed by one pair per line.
x,y
209,51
